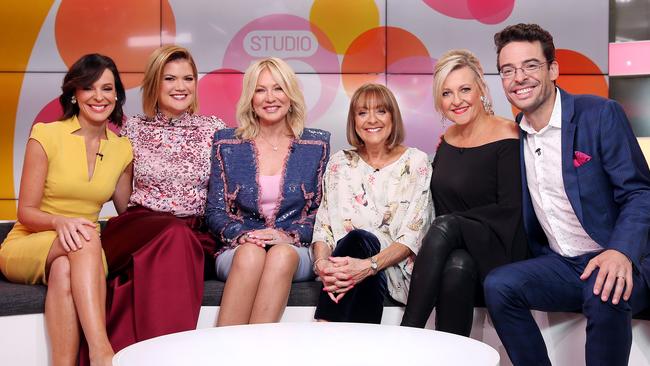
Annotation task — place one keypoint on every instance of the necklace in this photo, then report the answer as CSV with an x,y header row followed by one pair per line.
x,y
274,147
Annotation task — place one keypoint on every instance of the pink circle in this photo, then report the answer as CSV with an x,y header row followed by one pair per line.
x,y
491,12
219,92
416,90
485,11
455,9
278,36
412,65
415,98
51,112
423,128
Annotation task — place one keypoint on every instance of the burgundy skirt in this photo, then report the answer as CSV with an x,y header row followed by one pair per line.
x,y
156,271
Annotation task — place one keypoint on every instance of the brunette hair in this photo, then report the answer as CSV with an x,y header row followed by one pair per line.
x,y
82,74
373,96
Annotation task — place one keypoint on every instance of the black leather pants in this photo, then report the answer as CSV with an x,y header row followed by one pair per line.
x,y
445,276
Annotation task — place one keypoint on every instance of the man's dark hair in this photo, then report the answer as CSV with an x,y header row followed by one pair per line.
x,y
525,33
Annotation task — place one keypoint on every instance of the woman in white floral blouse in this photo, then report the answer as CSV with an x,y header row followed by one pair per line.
x,y
376,206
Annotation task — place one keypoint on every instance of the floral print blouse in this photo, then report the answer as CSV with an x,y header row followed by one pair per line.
x,y
393,203
171,164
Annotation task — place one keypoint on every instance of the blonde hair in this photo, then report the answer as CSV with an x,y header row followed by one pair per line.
x,y
454,60
375,96
153,75
249,126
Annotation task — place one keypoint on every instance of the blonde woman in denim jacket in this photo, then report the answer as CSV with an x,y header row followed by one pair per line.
x,y
264,190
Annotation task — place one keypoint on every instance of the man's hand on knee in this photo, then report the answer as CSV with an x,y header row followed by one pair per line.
x,y
615,274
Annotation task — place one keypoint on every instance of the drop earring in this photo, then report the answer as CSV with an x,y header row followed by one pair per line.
x,y
487,105
73,100
290,108
444,122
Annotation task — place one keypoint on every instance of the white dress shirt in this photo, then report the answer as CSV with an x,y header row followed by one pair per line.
x,y
543,158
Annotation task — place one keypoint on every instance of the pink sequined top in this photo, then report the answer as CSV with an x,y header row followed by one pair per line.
x,y
171,161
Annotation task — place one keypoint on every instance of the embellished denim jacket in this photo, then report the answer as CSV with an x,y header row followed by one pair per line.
x,y
233,206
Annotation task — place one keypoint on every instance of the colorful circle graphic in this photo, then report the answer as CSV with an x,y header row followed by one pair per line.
x,y
218,94
367,55
343,20
485,11
125,30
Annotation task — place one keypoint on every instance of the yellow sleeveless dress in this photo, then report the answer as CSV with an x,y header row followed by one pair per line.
x,y
67,192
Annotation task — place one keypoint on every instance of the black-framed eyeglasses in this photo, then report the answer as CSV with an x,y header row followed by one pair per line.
x,y
508,72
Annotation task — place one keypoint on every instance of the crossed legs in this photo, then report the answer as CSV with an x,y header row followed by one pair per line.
x,y
76,297
258,285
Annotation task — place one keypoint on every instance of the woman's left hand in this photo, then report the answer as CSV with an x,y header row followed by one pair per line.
x,y
271,236
345,273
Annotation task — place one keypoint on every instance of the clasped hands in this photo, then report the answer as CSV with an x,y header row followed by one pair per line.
x,y
265,237
340,274
615,273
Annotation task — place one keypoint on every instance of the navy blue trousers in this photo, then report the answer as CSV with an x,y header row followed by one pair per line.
x,y
551,283
364,303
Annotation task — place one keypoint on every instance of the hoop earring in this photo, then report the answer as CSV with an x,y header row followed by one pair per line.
x,y
73,100
487,105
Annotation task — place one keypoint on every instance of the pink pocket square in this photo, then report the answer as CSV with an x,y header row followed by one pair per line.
x,y
580,158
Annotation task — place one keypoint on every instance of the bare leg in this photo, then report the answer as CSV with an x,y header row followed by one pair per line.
x,y
273,290
88,286
61,315
241,285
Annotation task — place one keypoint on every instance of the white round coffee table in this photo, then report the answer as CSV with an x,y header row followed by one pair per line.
x,y
311,344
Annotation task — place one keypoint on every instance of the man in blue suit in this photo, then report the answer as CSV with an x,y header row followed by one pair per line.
x,y
586,210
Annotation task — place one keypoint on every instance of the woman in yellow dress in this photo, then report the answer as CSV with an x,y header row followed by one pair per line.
x,y
71,168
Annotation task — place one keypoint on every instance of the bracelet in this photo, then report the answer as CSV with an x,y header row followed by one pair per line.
x,y
314,268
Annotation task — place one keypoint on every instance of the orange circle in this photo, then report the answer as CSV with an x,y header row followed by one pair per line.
x,y
368,56
127,31
578,75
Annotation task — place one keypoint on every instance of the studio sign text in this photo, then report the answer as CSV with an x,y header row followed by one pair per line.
x,y
289,43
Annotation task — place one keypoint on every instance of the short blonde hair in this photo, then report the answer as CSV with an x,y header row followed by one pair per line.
x,y
153,75
454,60
249,125
375,96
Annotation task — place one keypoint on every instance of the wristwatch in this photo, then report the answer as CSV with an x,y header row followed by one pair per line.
x,y
373,265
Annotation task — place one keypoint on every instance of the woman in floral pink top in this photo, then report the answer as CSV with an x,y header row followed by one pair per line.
x,y
156,249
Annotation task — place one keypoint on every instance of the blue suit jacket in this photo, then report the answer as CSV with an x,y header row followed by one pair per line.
x,y
233,196
610,194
